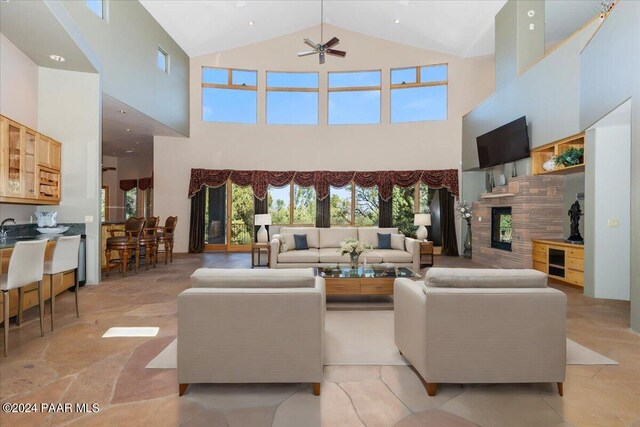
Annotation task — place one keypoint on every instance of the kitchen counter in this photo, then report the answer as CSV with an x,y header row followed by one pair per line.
x,y
11,240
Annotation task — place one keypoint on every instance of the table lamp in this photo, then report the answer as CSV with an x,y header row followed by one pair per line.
x,y
422,219
262,220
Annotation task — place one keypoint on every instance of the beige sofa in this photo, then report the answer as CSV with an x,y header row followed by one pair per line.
x,y
324,244
251,326
482,326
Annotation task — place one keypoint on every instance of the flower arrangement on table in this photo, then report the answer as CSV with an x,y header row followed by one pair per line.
x,y
464,211
354,248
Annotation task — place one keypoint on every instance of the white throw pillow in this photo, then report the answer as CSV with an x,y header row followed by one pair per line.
x,y
288,242
397,242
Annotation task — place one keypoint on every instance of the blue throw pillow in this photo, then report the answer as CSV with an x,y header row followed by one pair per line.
x,y
384,241
301,242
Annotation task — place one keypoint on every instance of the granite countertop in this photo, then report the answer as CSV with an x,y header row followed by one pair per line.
x,y
26,232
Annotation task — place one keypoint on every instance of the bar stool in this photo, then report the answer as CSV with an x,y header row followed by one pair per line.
x,y
148,241
26,266
125,245
65,258
165,237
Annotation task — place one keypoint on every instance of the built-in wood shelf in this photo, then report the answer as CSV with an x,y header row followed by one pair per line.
x,y
540,155
496,195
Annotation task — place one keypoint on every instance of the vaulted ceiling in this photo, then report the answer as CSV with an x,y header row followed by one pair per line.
x,y
459,27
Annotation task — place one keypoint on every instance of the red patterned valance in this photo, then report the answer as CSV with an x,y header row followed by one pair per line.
x,y
128,184
260,180
145,183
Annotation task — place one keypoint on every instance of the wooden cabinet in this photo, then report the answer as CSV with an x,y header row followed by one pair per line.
x,y
542,154
426,253
561,261
30,165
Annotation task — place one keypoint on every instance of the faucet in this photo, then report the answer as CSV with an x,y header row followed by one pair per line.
x,y
3,232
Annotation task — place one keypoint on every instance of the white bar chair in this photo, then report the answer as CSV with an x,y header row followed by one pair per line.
x,y
64,259
26,266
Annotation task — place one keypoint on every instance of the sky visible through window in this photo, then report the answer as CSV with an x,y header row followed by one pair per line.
x,y
292,107
96,7
357,106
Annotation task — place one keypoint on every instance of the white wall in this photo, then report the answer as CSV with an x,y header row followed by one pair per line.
x,y
19,102
425,145
608,174
69,111
610,75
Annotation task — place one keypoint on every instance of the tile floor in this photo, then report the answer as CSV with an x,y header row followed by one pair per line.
x,y
74,364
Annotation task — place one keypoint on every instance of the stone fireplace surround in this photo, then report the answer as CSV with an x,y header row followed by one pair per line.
x,y
537,212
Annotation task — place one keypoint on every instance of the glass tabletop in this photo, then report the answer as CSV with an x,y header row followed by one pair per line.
x,y
368,272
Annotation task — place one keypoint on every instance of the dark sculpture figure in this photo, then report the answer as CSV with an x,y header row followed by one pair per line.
x,y
575,213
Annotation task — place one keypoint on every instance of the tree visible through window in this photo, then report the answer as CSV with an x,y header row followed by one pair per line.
x,y
130,203
289,205
341,200
367,207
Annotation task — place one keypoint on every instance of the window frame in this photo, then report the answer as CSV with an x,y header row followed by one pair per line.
x,y
291,223
135,206
290,89
106,203
167,60
228,85
418,84
104,11
354,89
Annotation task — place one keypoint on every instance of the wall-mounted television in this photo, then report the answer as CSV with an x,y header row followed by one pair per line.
x,y
505,144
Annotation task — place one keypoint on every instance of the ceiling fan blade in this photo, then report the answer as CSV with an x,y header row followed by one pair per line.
x,y
311,43
321,57
336,52
307,53
334,41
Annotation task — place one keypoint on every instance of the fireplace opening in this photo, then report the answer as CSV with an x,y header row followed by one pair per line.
x,y
501,228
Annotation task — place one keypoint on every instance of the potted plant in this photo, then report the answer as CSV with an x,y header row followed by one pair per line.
x,y
354,248
570,157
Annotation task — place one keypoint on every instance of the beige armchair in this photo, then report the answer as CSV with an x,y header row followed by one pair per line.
x,y
482,326
251,326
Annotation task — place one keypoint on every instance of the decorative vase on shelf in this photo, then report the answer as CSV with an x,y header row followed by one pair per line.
x,y
467,241
549,165
354,261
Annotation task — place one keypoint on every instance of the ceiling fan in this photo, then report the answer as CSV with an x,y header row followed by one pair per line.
x,y
107,168
320,48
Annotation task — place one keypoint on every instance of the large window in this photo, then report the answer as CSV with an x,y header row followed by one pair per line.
x,y
419,94
229,95
354,205
367,206
104,204
354,98
292,98
406,203
292,204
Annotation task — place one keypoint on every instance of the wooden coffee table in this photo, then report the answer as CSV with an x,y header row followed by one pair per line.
x,y
346,281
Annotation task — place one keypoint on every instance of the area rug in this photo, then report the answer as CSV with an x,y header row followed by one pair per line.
x,y
366,338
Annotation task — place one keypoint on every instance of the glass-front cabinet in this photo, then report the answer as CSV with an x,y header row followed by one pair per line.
x,y
29,165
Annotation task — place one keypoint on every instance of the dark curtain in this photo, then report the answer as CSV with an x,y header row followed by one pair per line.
x,y
196,223
435,232
323,213
385,215
448,223
259,207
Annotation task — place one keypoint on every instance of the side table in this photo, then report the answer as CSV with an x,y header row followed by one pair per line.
x,y
259,247
426,253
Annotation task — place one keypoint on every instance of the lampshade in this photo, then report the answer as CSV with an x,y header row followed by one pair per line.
x,y
422,219
263,219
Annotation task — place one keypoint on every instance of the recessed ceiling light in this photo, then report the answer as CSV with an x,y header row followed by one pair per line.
x,y
397,21
137,142
251,23
130,151
122,112
129,130
57,58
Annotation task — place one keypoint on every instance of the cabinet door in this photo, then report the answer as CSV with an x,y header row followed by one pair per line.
x,y
14,159
4,162
29,141
43,151
55,155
